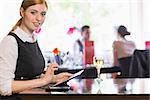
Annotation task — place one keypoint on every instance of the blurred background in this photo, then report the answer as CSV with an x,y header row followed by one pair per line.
x,y
103,16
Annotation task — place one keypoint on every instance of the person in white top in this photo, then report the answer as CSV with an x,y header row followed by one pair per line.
x,y
123,50
32,17
78,47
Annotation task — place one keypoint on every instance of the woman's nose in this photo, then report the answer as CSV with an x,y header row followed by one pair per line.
x,y
38,17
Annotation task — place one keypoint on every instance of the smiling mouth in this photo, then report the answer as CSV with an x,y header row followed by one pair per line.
x,y
36,24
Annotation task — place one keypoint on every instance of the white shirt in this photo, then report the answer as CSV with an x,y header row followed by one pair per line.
x,y
77,54
8,59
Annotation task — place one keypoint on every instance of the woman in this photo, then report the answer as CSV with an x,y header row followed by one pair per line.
x,y
21,60
123,50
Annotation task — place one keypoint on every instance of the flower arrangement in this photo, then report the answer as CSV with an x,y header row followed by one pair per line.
x,y
72,29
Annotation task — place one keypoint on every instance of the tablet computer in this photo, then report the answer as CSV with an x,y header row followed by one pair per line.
x,y
64,83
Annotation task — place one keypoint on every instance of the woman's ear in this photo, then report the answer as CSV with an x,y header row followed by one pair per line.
x,y
21,12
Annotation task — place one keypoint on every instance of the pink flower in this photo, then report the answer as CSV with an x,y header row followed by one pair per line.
x,y
71,30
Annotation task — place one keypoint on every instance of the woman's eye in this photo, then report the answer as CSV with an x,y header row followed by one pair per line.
x,y
33,13
43,14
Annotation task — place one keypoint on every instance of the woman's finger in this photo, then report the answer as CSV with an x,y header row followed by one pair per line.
x,y
53,65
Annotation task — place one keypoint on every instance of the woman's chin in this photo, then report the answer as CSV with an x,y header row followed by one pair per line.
x,y
38,30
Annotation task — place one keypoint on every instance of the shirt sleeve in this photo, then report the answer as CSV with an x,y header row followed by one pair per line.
x,y
8,59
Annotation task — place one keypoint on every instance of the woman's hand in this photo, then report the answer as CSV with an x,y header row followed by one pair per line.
x,y
49,75
62,76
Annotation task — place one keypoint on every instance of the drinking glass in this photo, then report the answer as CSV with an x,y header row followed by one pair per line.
x,y
98,63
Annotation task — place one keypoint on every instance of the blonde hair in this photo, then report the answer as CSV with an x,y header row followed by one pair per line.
x,y
27,3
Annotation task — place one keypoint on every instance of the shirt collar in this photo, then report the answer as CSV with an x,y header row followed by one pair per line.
x,y
81,39
25,37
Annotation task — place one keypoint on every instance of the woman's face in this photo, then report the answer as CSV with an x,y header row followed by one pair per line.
x,y
33,17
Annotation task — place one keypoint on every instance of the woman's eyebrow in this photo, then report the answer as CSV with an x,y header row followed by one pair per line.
x,y
43,12
34,10
38,11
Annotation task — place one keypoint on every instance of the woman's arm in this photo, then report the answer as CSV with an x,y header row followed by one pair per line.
x,y
115,55
18,86
8,58
115,59
49,77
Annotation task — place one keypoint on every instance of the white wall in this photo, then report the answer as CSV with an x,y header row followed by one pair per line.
x,y
9,14
146,20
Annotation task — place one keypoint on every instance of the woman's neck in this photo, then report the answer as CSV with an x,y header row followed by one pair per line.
x,y
121,38
25,29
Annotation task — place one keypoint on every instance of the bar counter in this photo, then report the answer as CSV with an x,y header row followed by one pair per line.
x,y
94,89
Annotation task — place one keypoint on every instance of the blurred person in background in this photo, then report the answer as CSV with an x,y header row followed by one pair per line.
x,y
123,50
78,48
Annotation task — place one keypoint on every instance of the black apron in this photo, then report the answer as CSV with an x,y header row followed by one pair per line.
x,y
30,63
